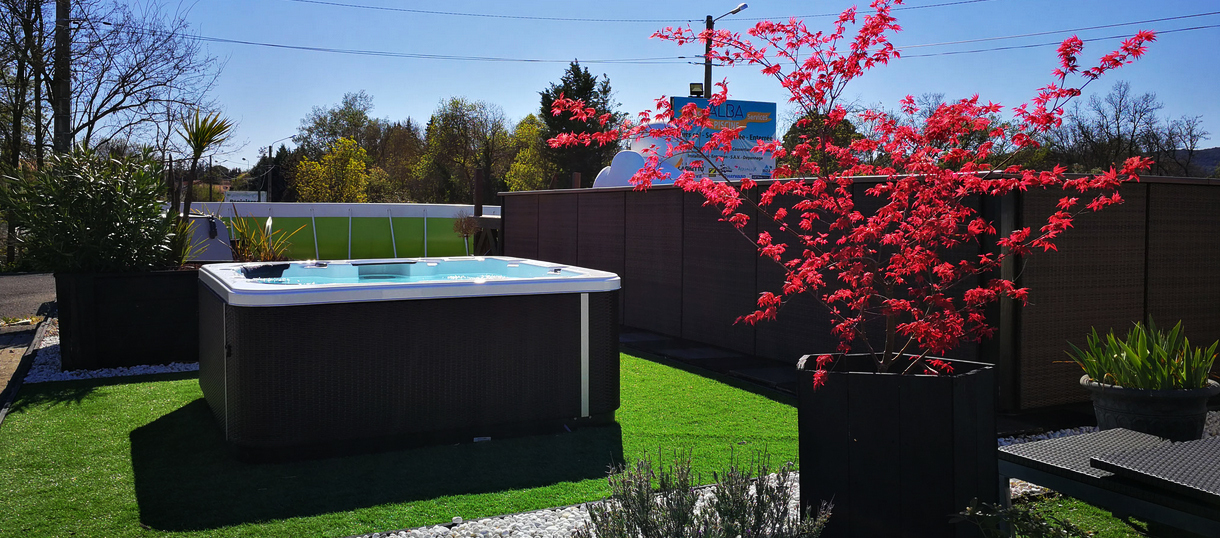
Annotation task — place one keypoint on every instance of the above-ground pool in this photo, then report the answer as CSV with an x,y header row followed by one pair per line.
x,y
415,351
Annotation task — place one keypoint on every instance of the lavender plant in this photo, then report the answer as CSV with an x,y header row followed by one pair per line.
x,y
747,500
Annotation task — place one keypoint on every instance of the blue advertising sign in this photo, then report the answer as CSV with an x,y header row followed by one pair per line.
x,y
758,120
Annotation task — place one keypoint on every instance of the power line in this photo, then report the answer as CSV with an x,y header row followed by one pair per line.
x,y
422,56
679,60
997,38
578,19
897,8
1052,43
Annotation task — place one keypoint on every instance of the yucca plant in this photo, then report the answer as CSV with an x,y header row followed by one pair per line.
x,y
182,250
1148,358
201,133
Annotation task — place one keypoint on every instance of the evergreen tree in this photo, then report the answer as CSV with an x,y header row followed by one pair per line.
x,y
578,83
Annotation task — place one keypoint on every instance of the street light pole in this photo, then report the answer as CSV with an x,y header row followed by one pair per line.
x,y
707,50
707,58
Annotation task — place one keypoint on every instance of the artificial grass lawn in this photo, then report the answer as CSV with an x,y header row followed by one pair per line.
x,y
1100,523
121,458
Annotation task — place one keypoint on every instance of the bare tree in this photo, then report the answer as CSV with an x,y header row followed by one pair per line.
x,y
1107,130
136,72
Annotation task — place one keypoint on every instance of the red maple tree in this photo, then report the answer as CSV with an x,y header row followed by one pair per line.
x,y
894,263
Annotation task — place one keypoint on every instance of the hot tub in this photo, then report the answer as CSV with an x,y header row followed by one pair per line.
x,y
372,353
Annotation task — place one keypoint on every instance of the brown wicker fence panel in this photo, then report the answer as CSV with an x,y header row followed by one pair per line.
x,y
602,235
803,324
719,276
1096,279
654,261
1184,259
520,222
558,228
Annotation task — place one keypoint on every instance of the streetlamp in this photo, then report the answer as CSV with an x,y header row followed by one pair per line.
x,y
707,52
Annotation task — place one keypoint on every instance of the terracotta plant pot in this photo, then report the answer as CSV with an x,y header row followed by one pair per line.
x,y
1177,415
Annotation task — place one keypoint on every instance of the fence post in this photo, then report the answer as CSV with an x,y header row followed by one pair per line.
x,y
575,180
478,193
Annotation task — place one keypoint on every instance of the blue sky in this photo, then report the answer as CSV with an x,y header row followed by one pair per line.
x,y
268,90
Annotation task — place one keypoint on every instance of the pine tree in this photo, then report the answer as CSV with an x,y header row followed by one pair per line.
x,y
578,83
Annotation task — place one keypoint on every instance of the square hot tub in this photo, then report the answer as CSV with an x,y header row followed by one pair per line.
x,y
386,353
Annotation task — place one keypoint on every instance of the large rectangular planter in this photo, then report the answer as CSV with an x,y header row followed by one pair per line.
x,y
897,454
109,320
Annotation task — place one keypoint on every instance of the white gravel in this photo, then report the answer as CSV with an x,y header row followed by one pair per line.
x,y
47,367
553,523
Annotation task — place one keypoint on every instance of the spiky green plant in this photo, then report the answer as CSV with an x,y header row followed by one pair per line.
x,y
201,134
253,243
1147,358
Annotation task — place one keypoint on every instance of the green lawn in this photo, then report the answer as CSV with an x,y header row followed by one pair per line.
x,y
121,458
1089,518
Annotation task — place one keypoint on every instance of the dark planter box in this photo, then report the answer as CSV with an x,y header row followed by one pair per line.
x,y
108,320
897,454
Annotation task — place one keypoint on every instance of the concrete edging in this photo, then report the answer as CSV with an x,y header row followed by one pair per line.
x,y
23,367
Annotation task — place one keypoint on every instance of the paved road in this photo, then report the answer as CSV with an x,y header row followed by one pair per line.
x,y
22,294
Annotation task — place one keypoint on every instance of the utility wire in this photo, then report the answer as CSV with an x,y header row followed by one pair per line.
x,y
1052,43
422,56
577,19
682,60
997,38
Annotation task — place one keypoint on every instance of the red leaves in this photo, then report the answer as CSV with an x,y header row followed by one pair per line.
x,y
901,259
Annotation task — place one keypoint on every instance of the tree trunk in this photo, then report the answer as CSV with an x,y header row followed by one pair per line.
x,y
188,196
22,86
39,61
61,83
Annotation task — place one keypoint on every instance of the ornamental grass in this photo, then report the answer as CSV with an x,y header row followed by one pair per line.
x,y
1147,358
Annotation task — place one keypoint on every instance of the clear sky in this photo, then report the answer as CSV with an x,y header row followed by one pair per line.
x,y
268,90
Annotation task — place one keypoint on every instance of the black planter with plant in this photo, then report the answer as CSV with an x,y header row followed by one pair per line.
x,y
99,224
1152,381
897,452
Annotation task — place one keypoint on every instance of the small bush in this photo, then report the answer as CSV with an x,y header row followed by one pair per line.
x,y
91,213
747,500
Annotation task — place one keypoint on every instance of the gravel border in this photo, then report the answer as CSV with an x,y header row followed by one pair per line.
x,y
47,366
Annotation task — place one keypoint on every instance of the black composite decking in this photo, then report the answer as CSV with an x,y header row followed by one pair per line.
x,y
1066,465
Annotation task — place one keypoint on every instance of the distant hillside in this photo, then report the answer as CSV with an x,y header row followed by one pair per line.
x,y
1206,160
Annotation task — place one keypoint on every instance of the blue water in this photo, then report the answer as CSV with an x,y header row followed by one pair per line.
x,y
368,278
470,270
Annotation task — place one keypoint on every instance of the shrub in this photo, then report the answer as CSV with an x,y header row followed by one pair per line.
x,y
747,500
91,213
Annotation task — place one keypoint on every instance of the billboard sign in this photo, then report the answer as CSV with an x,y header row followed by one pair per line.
x,y
758,120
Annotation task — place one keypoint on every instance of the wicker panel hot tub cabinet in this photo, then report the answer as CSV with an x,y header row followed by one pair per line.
x,y
409,371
